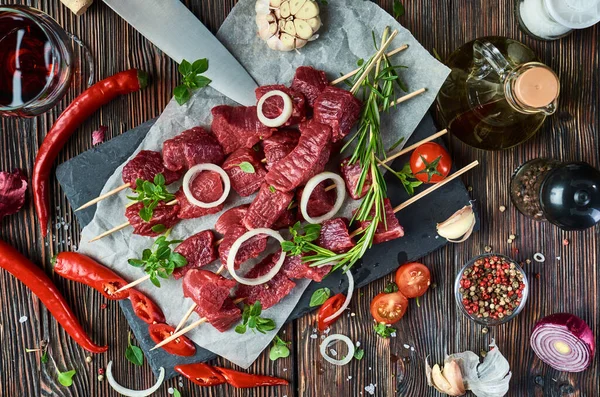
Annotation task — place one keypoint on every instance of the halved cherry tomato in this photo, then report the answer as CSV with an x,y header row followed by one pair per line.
x,y
330,306
181,346
388,308
413,279
430,163
145,308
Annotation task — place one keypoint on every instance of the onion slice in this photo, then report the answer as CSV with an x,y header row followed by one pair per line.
x,y
235,248
191,175
313,182
133,393
346,302
285,115
564,342
335,337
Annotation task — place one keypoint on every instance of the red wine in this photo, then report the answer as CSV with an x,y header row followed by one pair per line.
x,y
26,59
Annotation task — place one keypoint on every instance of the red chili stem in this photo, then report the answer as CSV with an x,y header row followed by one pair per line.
x,y
71,118
40,284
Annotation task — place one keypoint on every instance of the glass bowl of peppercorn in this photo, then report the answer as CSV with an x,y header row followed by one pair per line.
x,y
491,289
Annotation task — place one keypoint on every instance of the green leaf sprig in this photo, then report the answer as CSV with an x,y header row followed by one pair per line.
x,y
384,330
406,177
160,261
359,353
42,349
398,9
302,238
319,297
176,393
64,378
192,79
390,288
279,349
133,353
150,194
247,167
251,319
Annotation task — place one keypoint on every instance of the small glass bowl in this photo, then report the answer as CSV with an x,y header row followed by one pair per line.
x,y
487,321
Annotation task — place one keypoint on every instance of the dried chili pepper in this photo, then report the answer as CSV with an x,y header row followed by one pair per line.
x,y
201,374
83,269
207,375
145,308
181,346
74,115
40,284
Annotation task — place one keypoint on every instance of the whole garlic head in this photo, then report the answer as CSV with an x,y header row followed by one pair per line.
x,y
287,24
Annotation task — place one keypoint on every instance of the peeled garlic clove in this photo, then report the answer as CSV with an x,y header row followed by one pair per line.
x,y
314,23
290,28
302,29
284,9
452,374
438,380
310,9
295,5
459,226
289,42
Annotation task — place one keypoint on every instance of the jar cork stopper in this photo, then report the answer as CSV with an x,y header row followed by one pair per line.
x,y
537,87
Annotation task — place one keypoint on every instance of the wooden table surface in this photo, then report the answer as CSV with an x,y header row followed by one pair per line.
x,y
567,282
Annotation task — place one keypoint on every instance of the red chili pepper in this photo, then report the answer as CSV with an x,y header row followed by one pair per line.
x,y
40,284
83,269
330,306
243,380
181,346
201,374
145,308
73,116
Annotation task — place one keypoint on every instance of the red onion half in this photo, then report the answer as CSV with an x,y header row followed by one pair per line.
x,y
564,342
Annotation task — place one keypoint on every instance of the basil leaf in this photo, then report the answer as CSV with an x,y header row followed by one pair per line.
x,y
159,228
176,393
201,81
240,329
136,262
279,351
181,94
135,355
272,189
247,167
66,378
398,9
159,179
185,67
359,353
154,280
200,66
256,309
319,297
267,325
178,259
146,214
287,246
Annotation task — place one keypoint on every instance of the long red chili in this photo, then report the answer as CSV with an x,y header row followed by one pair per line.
x,y
36,280
73,116
207,375
83,269
201,374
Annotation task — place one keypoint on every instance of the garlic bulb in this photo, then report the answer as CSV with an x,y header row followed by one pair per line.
x,y
287,24
459,226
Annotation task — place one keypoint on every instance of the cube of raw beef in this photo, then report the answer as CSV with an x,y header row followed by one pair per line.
x,y
237,127
304,160
243,182
191,147
268,205
207,289
248,250
224,318
351,174
146,165
269,293
293,267
163,214
287,219
390,230
310,82
320,202
199,250
273,106
279,145
231,219
334,236
339,109
206,187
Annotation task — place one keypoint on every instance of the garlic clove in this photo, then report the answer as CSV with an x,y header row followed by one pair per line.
x,y
460,224
300,43
296,5
284,9
314,23
290,28
275,3
310,9
302,29
452,374
289,42
438,380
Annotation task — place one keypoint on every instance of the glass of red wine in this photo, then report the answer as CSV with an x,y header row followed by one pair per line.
x,y
36,61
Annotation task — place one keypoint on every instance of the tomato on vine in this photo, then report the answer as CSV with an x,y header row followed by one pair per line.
x,y
430,163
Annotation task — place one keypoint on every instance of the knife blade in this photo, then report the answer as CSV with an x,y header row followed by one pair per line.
x,y
176,31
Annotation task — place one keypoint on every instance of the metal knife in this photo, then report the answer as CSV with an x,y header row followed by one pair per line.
x,y
176,31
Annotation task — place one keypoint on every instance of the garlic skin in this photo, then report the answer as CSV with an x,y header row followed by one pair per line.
x,y
459,226
287,25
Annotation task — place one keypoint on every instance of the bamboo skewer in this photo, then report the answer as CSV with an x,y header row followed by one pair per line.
x,y
105,195
352,73
374,62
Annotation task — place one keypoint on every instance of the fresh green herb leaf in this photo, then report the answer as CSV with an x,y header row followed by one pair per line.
x,y
279,349
247,167
391,287
302,238
436,55
384,330
407,178
200,66
161,260
359,353
176,393
251,320
159,228
150,194
240,329
182,94
360,62
192,79
319,297
44,359
272,189
185,67
395,145
398,9
133,353
66,378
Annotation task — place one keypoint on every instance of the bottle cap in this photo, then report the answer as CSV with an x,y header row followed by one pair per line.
x,y
575,14
570,196
537,87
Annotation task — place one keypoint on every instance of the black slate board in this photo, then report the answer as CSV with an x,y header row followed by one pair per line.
x,y
83,177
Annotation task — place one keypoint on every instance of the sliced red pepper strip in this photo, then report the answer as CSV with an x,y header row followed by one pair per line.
x,y
71,118
181,346
85,270
201,374
145,308
330,306
244,380
40,284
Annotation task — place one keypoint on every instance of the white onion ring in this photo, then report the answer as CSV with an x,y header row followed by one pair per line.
x,y
191,175
539,257
129,392
340,337
235,248
313,182
285,115
346,302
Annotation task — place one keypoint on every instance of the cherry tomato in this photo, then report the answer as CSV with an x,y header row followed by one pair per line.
x,y
430,163
145,308
181,346
388,308
413,279
330,306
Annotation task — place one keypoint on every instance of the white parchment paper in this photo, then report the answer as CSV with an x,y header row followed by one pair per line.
x,y
345,38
